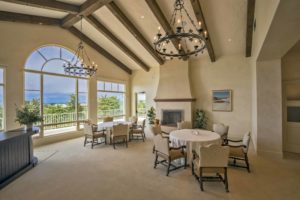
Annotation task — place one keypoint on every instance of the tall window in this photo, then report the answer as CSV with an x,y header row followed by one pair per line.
x,y
111,100
2,99
61,99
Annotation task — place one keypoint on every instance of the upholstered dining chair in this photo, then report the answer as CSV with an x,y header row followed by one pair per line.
x,y
133,120
239,151
222,130
91,135
119,134
184,125
108,119
156,130
138,132
168,154
212,159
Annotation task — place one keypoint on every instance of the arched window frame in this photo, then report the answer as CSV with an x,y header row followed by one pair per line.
x,y
42,73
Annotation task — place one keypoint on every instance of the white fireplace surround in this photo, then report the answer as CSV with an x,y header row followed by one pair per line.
x,y
173,94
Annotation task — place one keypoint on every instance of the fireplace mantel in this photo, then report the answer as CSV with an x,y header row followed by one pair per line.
x,y
175,100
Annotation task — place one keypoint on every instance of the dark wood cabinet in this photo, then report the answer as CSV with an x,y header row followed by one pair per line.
x,y
16,154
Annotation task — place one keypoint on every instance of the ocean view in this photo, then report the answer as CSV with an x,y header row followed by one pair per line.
x,y
55,98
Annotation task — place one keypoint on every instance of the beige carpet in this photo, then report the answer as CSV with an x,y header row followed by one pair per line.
x,y
77,173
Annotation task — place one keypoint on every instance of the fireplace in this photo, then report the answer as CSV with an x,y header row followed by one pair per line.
x,y
171,117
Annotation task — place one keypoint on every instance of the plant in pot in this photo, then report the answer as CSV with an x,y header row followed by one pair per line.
x,y
201,119
26,116
151,116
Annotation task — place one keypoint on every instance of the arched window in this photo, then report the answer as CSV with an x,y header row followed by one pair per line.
x,y
61,99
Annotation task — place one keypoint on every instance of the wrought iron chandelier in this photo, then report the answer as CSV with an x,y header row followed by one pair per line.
x,y
80,65
191,41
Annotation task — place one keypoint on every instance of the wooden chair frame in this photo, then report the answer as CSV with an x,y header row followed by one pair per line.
x,y
245,158
168,162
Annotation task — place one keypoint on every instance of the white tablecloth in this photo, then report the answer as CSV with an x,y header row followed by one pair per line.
x,y
109,125
193,139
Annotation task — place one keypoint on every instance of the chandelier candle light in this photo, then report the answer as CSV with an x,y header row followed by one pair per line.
x,y
190,42
80,65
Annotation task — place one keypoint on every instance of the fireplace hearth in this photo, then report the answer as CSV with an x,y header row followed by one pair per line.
x,y
171,117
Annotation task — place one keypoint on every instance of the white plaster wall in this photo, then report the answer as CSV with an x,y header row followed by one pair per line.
x,y
174,80
147,82
19,40
231,72
264,14
269,107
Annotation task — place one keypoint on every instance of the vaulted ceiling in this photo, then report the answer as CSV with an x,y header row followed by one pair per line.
x,y
123,30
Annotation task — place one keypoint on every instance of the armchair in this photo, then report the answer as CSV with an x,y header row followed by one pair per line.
x,y
91,135
212,159
168,154
239,151
137,132
184,125
119,134
222,130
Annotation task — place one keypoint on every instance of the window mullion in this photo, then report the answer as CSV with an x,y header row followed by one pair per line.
x,y
76,106
42,103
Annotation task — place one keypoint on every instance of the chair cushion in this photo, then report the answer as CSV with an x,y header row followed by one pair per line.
x,y
196,163
177,153
236,152
136,131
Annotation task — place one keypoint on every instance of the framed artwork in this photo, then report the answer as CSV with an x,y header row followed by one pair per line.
x,y
222,100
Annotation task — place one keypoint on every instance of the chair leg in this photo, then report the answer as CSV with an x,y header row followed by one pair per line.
x,y
143,136
169,165
153,149
247,163
92,146
193,173
155,160
84,141
126,142
185,162
200,179
226,179
113,142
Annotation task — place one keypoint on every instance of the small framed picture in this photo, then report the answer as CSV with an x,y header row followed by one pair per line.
x,y
222,100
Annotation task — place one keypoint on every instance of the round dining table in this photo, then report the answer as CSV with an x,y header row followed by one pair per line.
x,y
193,139
108,126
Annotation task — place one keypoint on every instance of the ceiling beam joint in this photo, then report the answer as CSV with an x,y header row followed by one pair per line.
x,y
200,17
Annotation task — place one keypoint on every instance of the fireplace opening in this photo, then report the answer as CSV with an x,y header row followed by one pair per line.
x,y
171,117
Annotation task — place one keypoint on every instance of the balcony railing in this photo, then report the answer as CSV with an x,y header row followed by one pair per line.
x,y
62,120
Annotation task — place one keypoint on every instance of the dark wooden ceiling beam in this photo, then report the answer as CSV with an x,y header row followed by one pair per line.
x,y
162,20
48,4
101,28
31,19
200,17
133,30
99,49
86,9
250,26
